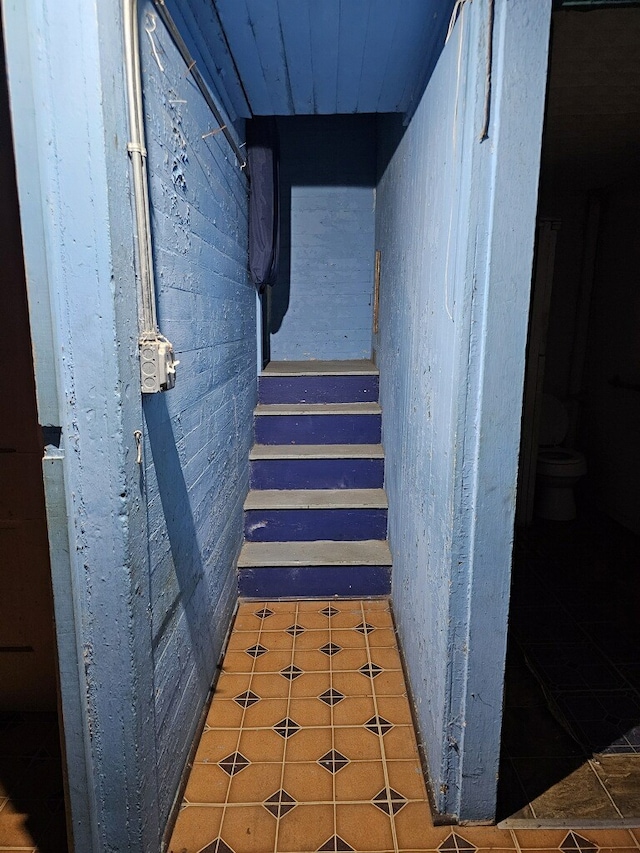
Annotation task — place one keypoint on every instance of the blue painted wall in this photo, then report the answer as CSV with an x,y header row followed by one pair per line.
x,y
198,436
320,307
455,225
142,556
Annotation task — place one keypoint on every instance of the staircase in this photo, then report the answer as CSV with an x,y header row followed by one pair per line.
x,y
315,520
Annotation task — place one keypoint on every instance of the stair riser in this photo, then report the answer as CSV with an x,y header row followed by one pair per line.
x,y
317,429
314,582
318,389
310,525
317,473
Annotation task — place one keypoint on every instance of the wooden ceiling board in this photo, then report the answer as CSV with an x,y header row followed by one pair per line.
x,y
353,40
296,34
324,19
333,56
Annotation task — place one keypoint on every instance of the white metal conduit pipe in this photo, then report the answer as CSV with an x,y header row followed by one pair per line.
x,y
157,362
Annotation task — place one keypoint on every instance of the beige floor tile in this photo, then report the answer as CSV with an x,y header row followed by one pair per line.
x,y
360,781
487,837
310,685
389,684
278,640
207,783
311,640
310,712
346,619
312,661
352,684
378,618
278,622
308,782
349,639
400,742
255,784
406,778
350,659
358,744
14,829
262,745
269,685
309,745
248,829
238,662
241,640
312,620
579,794
364,827
540,839
216,744
195,827
316,605
265,713
612,839
395,709
353,711
305,828
230,685
415,830
224,714
274,661
382,637
620,774
387,658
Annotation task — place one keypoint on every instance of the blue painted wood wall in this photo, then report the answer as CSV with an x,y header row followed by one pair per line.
x,y
455,225
197,437
321,304
142,555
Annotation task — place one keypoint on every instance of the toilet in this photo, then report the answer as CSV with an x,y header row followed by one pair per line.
x,y
558,469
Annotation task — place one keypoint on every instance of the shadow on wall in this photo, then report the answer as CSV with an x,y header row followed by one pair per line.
x,y
184,543
325,163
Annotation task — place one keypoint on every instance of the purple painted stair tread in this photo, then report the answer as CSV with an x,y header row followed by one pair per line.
x,y
318,389
368,552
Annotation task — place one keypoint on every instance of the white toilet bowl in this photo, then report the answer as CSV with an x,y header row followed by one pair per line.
x,y
558,469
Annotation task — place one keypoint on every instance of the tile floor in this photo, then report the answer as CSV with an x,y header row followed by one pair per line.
x,y
309,746
32,815
572,704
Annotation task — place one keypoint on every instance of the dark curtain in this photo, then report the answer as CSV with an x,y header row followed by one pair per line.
x,y
264,213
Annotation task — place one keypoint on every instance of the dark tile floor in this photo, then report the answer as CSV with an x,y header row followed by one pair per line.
x,y
571,736
32,815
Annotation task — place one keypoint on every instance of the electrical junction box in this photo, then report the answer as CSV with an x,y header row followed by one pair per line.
x,y
157,365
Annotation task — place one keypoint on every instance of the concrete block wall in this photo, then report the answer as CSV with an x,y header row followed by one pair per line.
x,y
455,207
321,303
196,437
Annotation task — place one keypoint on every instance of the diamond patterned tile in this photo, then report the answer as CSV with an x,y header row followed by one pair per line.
x,y
280,803
333,761
234,763
331,696
310,731
389,801
286,728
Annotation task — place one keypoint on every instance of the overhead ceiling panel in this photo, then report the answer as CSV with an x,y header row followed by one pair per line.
x,y
299,57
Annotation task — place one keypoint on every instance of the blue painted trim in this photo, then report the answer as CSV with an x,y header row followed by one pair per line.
x,y
309,525
315,582
317,474
317,429
318,389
